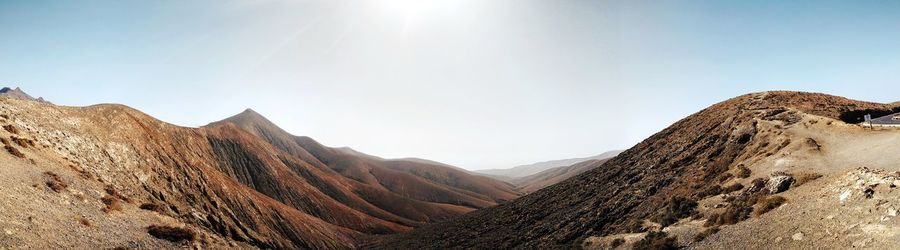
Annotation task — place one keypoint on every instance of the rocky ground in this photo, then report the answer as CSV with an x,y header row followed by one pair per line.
x,y
47,205
852,205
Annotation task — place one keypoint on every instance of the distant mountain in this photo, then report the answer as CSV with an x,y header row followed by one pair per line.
x,y
17,93
418,190
552,176
526,170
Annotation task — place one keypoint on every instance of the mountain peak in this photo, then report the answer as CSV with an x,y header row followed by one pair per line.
x,y
247,116
17,93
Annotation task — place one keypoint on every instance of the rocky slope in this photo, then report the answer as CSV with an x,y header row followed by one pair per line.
x,y
707,181
109,176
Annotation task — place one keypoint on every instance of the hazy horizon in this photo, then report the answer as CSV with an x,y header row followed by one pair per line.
x,y
475,84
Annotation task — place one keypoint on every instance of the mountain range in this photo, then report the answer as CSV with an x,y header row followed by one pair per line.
x,y
778,169
240,181
534,168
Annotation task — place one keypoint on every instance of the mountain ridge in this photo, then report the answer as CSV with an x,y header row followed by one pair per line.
x,y
639,184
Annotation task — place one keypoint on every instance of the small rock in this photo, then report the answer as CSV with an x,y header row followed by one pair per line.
x,y
892,212
797,236
778,184
845,196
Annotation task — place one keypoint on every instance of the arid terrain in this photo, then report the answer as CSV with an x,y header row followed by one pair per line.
x,y
764,170
785,170
106,176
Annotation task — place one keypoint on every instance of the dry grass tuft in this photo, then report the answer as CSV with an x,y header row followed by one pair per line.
x,y
732,188
56,183
170,233
11,129
767,204
706,233
110,190
743,171
803,178
14,151
153,207
84,222
112,204
616,243
656,240
22,142
678,207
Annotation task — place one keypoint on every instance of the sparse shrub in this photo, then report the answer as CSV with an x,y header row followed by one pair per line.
x,y
170,233
110,190
678,207
767,204
735,214
55,182
14,151
81,172
725,177
22,142
11,129
743,171
712,220
84,222
732,188
4,141
710,191
803,178
757,184
656,240
616,243
153,207
697,216
635,226
112,204
706,233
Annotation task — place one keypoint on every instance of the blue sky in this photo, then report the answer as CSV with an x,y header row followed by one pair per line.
x,y
475,83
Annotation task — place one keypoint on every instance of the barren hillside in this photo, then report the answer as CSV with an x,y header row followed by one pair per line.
x,y
109,176
743,171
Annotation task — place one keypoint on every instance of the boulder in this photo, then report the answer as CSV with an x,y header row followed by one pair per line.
x,y
779,183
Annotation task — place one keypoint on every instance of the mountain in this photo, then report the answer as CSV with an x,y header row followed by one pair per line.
x,y
530,169
109,176
17,93
552,176
764,170
437,184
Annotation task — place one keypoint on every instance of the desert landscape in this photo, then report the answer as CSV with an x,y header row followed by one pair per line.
x,y
449,124
775,169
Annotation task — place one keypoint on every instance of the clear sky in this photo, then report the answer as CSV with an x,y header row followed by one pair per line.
x,y
474,83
